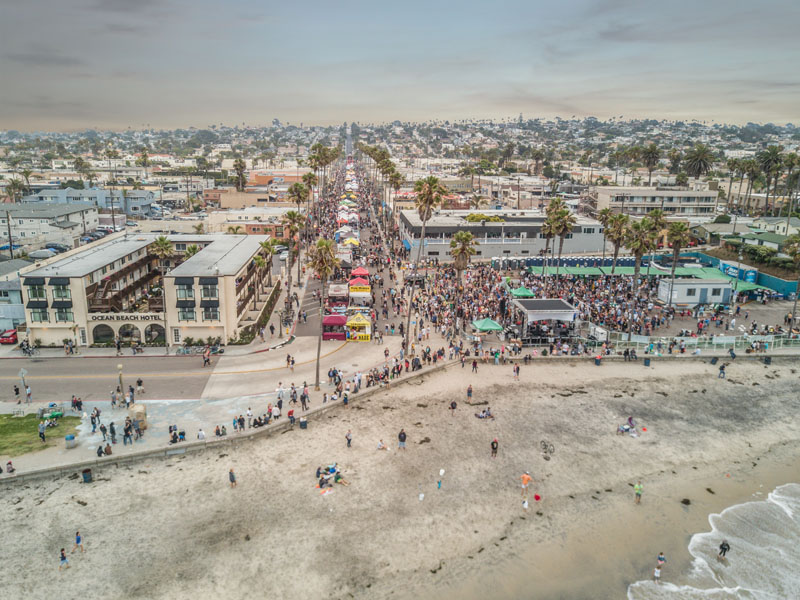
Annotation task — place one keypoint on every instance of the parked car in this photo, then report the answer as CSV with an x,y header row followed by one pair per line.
x,y
59,248
9,336
284,255
280,249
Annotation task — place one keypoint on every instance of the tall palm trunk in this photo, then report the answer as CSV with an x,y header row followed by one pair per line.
x,y
616,254
319,338
411,294
560,248
676,252
730,192
637,267
546,254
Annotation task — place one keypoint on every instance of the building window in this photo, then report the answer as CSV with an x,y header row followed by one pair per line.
x,y
36,292
279,232
211,314
180,247
588,230
716,291
64,315
61,292
691,292
185,292
568,236
186,314
39,315
209,292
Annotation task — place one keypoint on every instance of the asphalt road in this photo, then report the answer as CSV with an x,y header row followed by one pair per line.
x,y
57,379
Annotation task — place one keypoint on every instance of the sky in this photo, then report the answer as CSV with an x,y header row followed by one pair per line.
x,y
112,64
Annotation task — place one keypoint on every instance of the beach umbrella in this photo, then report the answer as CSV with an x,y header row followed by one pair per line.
x,y
487,325
351,242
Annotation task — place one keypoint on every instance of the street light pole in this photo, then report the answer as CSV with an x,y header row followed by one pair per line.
x,y
121,389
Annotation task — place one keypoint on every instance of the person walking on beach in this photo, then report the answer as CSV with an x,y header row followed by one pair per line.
x,y
453,406
64,564
637,493
469,393
42,428
494,448
526,480
657,575
723,550
349,437
474,366
78,542
661,559
401,440
516,372
232,478
721,372
16,393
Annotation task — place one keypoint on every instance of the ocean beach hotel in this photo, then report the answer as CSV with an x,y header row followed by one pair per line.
x,y
131,287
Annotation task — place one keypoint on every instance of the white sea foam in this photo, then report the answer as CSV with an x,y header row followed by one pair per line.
x,y
762,564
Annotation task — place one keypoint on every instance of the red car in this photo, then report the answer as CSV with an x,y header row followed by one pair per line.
x,y
9,336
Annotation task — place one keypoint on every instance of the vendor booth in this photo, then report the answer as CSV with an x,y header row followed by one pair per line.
x,y
359,328
338,294
334,327
360,272
360,292
545,321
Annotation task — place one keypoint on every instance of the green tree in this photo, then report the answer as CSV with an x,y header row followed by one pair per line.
x,y
240,179
675,157
234,229
565,222
260,264
161,248
191,250
678,235
199,228
269,248
682,179
770,161
15,189
698,160
292,222
324,262
616,232
604,216
651,156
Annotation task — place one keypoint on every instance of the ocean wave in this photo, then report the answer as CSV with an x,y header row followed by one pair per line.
x,y
762,564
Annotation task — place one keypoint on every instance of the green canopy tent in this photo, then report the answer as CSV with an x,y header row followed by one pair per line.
x,y
522,292
487,325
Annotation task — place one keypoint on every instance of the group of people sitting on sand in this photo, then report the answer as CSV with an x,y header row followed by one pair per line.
x,y
486,413
327,476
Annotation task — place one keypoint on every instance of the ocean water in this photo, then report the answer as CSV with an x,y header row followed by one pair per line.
x,y
763,562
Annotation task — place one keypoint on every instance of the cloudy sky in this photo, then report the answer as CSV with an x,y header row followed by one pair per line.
x,y
71,64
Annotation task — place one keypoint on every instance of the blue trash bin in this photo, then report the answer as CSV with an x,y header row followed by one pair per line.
x,y
87,476
646,362
69,441
597,361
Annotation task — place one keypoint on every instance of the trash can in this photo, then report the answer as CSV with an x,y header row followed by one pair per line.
x,y
70,441
646,362
767,360
714,360
303,424
87,476
597,360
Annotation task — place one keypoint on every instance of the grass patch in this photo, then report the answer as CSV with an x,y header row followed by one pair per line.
x,y
20,435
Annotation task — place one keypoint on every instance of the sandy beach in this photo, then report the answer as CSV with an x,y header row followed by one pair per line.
x,y
167,528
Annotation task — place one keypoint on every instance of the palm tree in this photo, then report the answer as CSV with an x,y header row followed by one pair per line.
x,y
199,228
26,175
324,263
604,216
564,224
650,157
15,189
461,249
161,249
234,229
699,160
657,224
733,168
309,181
791,247
268,246
675,158
144,160
677,235
638,239
429,195
770,161
753,170
293,221
617,231
191,250
239,168
260,263
476,201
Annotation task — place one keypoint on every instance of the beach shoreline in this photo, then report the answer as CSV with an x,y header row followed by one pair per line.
x,y
162,523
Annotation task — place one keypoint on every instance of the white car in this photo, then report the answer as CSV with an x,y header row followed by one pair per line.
x,y
284,255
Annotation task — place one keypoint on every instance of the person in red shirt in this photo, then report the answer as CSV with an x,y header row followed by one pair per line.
x,y
290,414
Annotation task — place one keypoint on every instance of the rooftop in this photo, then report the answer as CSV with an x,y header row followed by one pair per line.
x,y
10,266
457,218
46,210
223,255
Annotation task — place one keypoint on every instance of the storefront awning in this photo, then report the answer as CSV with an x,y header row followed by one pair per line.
x,y
547,309
209,303
185,304
62,304
59,281
36,304
406,245
334,320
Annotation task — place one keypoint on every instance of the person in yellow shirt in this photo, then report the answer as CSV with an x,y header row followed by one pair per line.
x,y
526,480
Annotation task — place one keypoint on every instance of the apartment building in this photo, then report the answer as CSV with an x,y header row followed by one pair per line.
x,y
638,201
121,288
518,233
254,220
134,203
34,224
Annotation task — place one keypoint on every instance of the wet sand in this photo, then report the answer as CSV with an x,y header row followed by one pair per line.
x,y
162,528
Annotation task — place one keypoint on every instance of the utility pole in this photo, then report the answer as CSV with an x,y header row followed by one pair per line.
x,y
10,242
